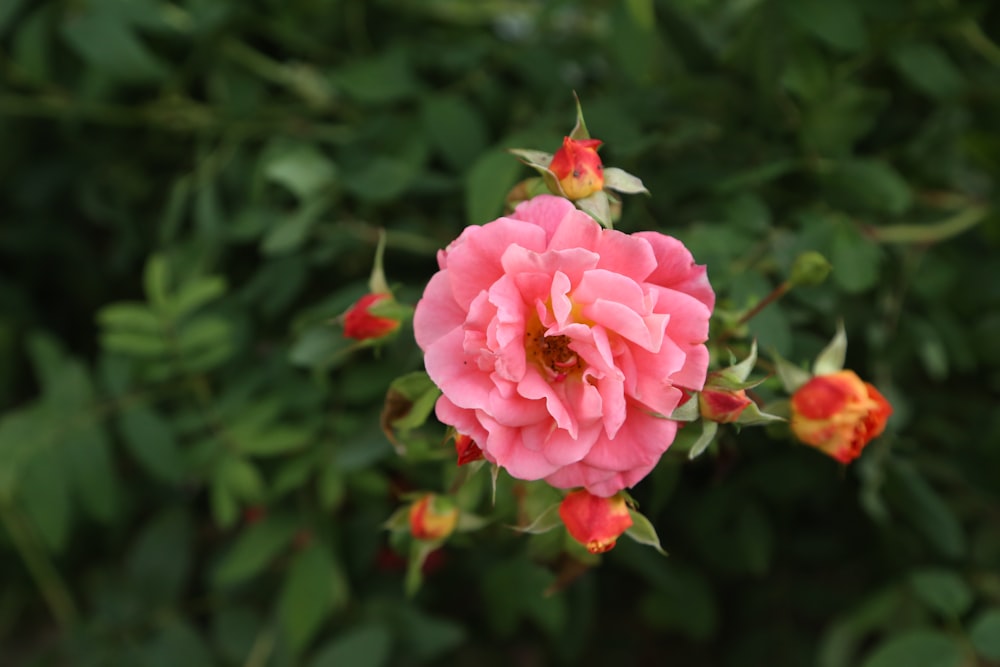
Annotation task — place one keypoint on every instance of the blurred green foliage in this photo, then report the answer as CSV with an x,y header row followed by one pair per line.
x,y
191,466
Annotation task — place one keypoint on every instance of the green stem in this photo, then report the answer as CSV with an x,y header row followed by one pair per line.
x,y
41,567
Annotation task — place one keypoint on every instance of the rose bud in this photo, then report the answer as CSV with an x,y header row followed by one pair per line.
x,y
578,168
722,405
467,449
838,414
593,521
360,324
433,517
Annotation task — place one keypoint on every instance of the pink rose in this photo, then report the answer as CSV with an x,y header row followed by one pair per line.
x,y
559,345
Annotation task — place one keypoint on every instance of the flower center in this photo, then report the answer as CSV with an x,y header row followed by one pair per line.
x,y
552,354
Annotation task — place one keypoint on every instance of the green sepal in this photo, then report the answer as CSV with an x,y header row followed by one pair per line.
x,y
419,551
708,431
596,206
494,476
468,522
792,377
831,359
643,532
531,157
544,522
741,371
377,283
689,412
399,520
752,416
391,309
580,129
620,180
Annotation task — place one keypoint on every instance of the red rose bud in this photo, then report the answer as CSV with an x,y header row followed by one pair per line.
x,y
593,521
838,414
360,324
722,405
433,517
467,449
578,168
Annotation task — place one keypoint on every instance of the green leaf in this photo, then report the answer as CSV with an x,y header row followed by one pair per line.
x,y
302,169
319,345
176,644
943,591
156,281
487,184
274,440
915,500
926,648
681,602
44,495
131,344
643,532
234,632
871,185
8,10
159,562
254,548
196,294
205,331
152,443
424,637
838,24
928,68
108,44
362,646
455,129
136,317
307,595
240,478
515,589
984,633
93,475
382,178
856,260
379,80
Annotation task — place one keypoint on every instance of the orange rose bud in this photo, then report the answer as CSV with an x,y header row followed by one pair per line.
x,y
433,517
838,414
578,168
467,449
722,405
359,324
593,521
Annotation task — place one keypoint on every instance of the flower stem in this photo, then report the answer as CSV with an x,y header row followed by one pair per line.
x,y
775,294
41,567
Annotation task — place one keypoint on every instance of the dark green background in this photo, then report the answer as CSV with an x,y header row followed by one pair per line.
x,y
190,192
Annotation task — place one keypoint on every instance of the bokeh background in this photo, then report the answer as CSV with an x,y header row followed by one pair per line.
x,y
192,470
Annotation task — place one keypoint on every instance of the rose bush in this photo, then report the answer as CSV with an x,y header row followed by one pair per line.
x,y
560,346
